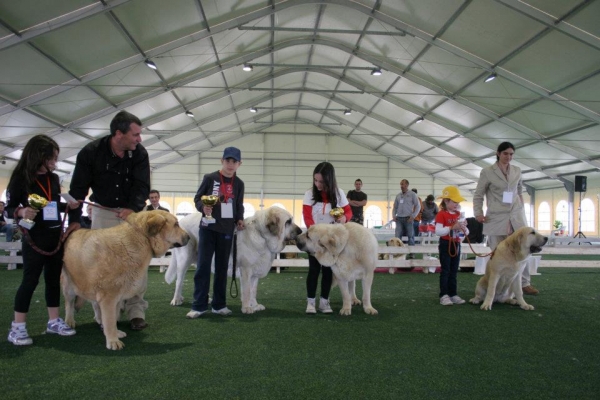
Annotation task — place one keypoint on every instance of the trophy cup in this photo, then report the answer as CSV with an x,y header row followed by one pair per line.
x,y
209,200
36,202
336,213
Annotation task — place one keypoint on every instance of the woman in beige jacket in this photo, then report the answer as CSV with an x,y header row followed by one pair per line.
x,y
502,186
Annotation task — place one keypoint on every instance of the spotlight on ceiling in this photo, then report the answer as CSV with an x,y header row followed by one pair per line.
x,y
253,109
150,64
347,111
376,71
491,77
418,121
247,67
189,113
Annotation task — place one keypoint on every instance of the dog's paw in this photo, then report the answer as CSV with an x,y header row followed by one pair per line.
x,y
356,302
248,310
475,300
486,306
527,307
512,302
259,307
70,322
115,344
121,334
177,301
371,311
346,311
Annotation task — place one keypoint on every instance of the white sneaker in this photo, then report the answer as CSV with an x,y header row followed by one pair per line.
x,y
60,327
310,306
445,300
223,311
456,300
193,314
324,306
19,336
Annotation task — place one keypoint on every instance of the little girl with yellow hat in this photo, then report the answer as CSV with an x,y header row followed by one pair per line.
x,y
448,225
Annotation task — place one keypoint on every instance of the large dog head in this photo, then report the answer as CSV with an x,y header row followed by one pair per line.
x,y
524,242
275,225
324,241
161,228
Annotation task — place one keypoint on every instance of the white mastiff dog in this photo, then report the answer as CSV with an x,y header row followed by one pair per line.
x,y
258,244
263,237
351,252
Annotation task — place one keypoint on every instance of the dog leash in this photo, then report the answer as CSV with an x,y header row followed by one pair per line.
x,y
233,268
450,242
25,233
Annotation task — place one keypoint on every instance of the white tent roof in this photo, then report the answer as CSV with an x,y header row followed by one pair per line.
x,y
69,65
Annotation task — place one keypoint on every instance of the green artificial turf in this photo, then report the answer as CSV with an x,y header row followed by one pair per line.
x,y
414,348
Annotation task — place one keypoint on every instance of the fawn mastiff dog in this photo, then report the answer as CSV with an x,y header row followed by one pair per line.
x,y
107,266
502,280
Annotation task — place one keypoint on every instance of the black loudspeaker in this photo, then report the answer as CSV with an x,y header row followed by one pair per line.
x,y
580,183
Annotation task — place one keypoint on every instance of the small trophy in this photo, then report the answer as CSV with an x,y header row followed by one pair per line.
x,y
336,212
209,200
36,202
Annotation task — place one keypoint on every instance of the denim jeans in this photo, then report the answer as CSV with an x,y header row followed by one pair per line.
x,y
405,228
210,243
449,266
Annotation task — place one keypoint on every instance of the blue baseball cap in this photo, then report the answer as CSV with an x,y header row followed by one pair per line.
x,y
232,152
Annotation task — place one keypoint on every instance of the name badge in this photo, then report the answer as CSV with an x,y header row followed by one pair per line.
x,y
401,201
226,210
51,211
507,197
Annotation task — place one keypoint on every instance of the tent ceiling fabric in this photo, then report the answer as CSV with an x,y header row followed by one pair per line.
x,y
69,65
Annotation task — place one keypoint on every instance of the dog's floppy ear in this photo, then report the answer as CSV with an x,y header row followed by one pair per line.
x,y
154,223
273,224
331,245
515,244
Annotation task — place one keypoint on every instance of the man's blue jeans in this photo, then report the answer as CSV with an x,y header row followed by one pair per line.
x,y
405,228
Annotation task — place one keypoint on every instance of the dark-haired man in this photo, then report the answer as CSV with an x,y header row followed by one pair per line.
x,y
117,169
357,199
154,198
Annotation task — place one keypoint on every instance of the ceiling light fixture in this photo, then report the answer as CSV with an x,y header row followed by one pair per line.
x,y
247,67
253,109
150,64
189,113
491,77
418,121
376,71
347,111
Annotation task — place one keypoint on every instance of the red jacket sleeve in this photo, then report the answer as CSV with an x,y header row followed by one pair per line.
x,y
348,212
307,214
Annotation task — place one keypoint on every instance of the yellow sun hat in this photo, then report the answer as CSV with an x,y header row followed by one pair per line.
x,y
452,193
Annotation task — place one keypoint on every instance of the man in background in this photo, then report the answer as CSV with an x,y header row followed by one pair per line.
x,y
357,199
405,210
155,201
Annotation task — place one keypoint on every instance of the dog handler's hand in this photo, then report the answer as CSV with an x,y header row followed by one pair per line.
x,y
341,220
125,213
207,210
28,213
480,219
240,225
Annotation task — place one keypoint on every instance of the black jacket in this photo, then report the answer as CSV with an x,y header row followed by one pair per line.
x,y
150,208
115,182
